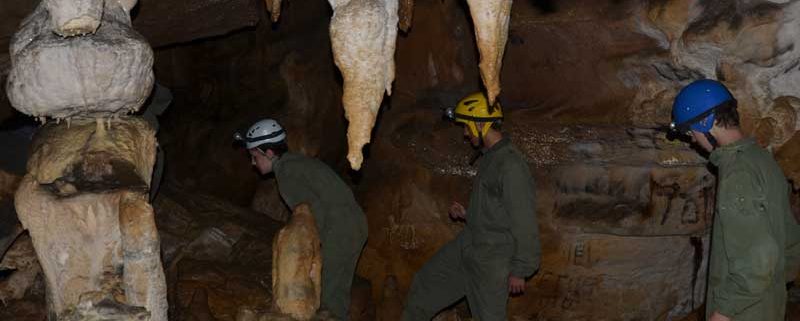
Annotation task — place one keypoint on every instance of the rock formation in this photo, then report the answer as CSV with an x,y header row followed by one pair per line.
x,y
363,35
391,304
406,14
274,8
84,202
84,198
99,306
20,259
105,74
297,266
491,19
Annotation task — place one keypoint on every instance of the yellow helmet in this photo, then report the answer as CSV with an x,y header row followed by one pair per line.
x,y
475,109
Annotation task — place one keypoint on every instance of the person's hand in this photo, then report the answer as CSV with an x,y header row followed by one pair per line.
x,y
457,211
718,317
516,285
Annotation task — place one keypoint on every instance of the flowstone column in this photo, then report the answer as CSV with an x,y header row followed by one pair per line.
x,y
84,198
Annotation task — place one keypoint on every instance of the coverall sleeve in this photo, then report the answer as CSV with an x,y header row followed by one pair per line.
x,y
792,249
519,203
750,248
295,189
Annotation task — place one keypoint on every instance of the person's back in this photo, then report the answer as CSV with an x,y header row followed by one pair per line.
x,y
750,237
332,200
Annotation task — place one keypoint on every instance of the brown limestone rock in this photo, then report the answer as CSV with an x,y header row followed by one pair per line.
x,y
297,266
390,307
787,157
406,14
21,259
84,203
268,201
180,21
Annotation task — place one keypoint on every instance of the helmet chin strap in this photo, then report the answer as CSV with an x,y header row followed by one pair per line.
x,y
478,151
711,140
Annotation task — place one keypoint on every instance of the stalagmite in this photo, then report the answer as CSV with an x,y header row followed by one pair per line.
x,y
274,8
84,201
296,266
491,18
363,36
107,73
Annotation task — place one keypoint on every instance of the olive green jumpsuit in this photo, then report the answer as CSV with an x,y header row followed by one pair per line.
x,y
755,238
501,238
341,223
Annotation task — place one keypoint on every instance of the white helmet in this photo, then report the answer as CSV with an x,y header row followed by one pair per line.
x,y
265,131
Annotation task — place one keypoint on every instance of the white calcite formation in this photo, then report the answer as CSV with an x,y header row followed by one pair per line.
x,y
363,36
491,18
104,73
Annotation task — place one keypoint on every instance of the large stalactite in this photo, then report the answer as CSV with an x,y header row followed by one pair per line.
x,y
363,35
491,19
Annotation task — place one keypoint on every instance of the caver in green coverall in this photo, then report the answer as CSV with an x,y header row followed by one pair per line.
x,y
501,238
755,240
340,221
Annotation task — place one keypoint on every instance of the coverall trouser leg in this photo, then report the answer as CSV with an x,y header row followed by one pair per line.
x,y
487,284
341,249
441,282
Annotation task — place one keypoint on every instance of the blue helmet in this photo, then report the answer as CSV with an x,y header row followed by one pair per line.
x,y
694,105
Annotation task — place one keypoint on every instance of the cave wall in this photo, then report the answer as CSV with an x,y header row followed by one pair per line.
x,y
621,211
283,71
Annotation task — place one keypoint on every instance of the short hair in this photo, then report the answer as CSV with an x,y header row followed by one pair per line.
x,y
278,148
726,114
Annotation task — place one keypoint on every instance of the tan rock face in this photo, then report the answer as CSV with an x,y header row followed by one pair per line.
x,y
363,35
20,257
297,266
621,212
491,19
84,203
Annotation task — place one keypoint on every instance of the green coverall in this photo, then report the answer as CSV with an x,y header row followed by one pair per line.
x,y
501,238
755,239
341,223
